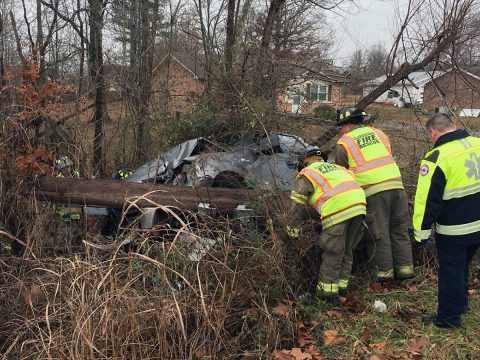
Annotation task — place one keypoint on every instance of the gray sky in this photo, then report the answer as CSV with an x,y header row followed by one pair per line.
x,y
372,22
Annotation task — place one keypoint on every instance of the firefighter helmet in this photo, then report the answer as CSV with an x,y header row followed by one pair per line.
x,y
122,174
308,154
350,115
63,162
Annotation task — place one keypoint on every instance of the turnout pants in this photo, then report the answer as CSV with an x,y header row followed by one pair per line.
x,y
389,248
453,276
338,243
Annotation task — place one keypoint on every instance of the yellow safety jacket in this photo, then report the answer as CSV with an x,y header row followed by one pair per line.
x,y
336,197
68,212
370,158
448,190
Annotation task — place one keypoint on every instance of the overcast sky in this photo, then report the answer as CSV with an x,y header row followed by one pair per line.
x,y
360,27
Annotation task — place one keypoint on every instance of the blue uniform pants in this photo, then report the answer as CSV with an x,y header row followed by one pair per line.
x,y
453,277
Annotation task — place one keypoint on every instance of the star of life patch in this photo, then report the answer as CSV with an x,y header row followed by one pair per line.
x,y
424,170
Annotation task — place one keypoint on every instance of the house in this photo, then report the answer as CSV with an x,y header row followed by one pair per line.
x,y
457,89
178,82
410,90
310,89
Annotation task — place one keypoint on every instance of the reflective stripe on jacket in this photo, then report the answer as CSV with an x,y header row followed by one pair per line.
x,y
336,196
448,189
370,158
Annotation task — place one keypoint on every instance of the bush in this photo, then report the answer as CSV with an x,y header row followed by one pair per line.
x,y
325,111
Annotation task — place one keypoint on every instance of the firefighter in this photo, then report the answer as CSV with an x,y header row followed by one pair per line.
x,y
448,196
367,153
335,195
122,174
64,169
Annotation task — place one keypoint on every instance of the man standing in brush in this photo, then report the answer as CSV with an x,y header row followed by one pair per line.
x,y
366,151
448,197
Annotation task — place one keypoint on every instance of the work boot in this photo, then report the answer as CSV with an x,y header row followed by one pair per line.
x,y
332,300
405,278
434,320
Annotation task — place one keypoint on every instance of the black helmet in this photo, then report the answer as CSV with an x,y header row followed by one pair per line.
x,y
122,174
350,115
310,151
63,162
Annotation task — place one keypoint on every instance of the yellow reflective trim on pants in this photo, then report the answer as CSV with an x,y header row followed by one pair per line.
x,y
383,186
461,191
422,234
328,287
462,229
404,270
343,284
385,274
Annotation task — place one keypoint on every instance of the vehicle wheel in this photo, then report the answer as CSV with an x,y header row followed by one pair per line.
x,y
229,179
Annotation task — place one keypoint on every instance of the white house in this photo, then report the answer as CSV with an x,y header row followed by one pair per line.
x,y
410,90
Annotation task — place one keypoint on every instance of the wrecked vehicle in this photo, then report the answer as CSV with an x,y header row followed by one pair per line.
x,y
266,163
269,162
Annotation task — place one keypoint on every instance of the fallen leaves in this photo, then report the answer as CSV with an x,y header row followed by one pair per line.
x,y
406,314
415,347
376,287
366,335
331,338
298,354
382,350
284,308
334,314
305,335
311,353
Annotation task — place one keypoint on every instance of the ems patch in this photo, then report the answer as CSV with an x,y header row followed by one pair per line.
x,y
424,170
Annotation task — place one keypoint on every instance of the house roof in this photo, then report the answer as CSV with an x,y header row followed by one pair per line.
x,y
191,62
316,71
418,78
473,71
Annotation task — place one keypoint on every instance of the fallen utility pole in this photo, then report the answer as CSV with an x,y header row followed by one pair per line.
x,y
116,194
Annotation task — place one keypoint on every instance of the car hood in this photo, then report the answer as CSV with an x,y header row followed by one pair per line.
x,y
167,162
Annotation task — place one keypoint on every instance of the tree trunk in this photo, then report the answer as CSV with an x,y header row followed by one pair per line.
x,y
265,66
95,55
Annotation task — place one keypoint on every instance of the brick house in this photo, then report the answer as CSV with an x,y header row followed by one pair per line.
x,y
178,82
457,89
309,90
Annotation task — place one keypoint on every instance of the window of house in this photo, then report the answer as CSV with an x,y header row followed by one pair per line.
x,y
313,92
318,92
392,94
322,93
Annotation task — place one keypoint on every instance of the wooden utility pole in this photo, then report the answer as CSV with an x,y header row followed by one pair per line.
x,y
116,194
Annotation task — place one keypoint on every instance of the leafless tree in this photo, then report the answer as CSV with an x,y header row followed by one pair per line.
x,y
429,30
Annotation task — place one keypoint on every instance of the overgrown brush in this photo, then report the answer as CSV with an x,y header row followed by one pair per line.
x,y
149,302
